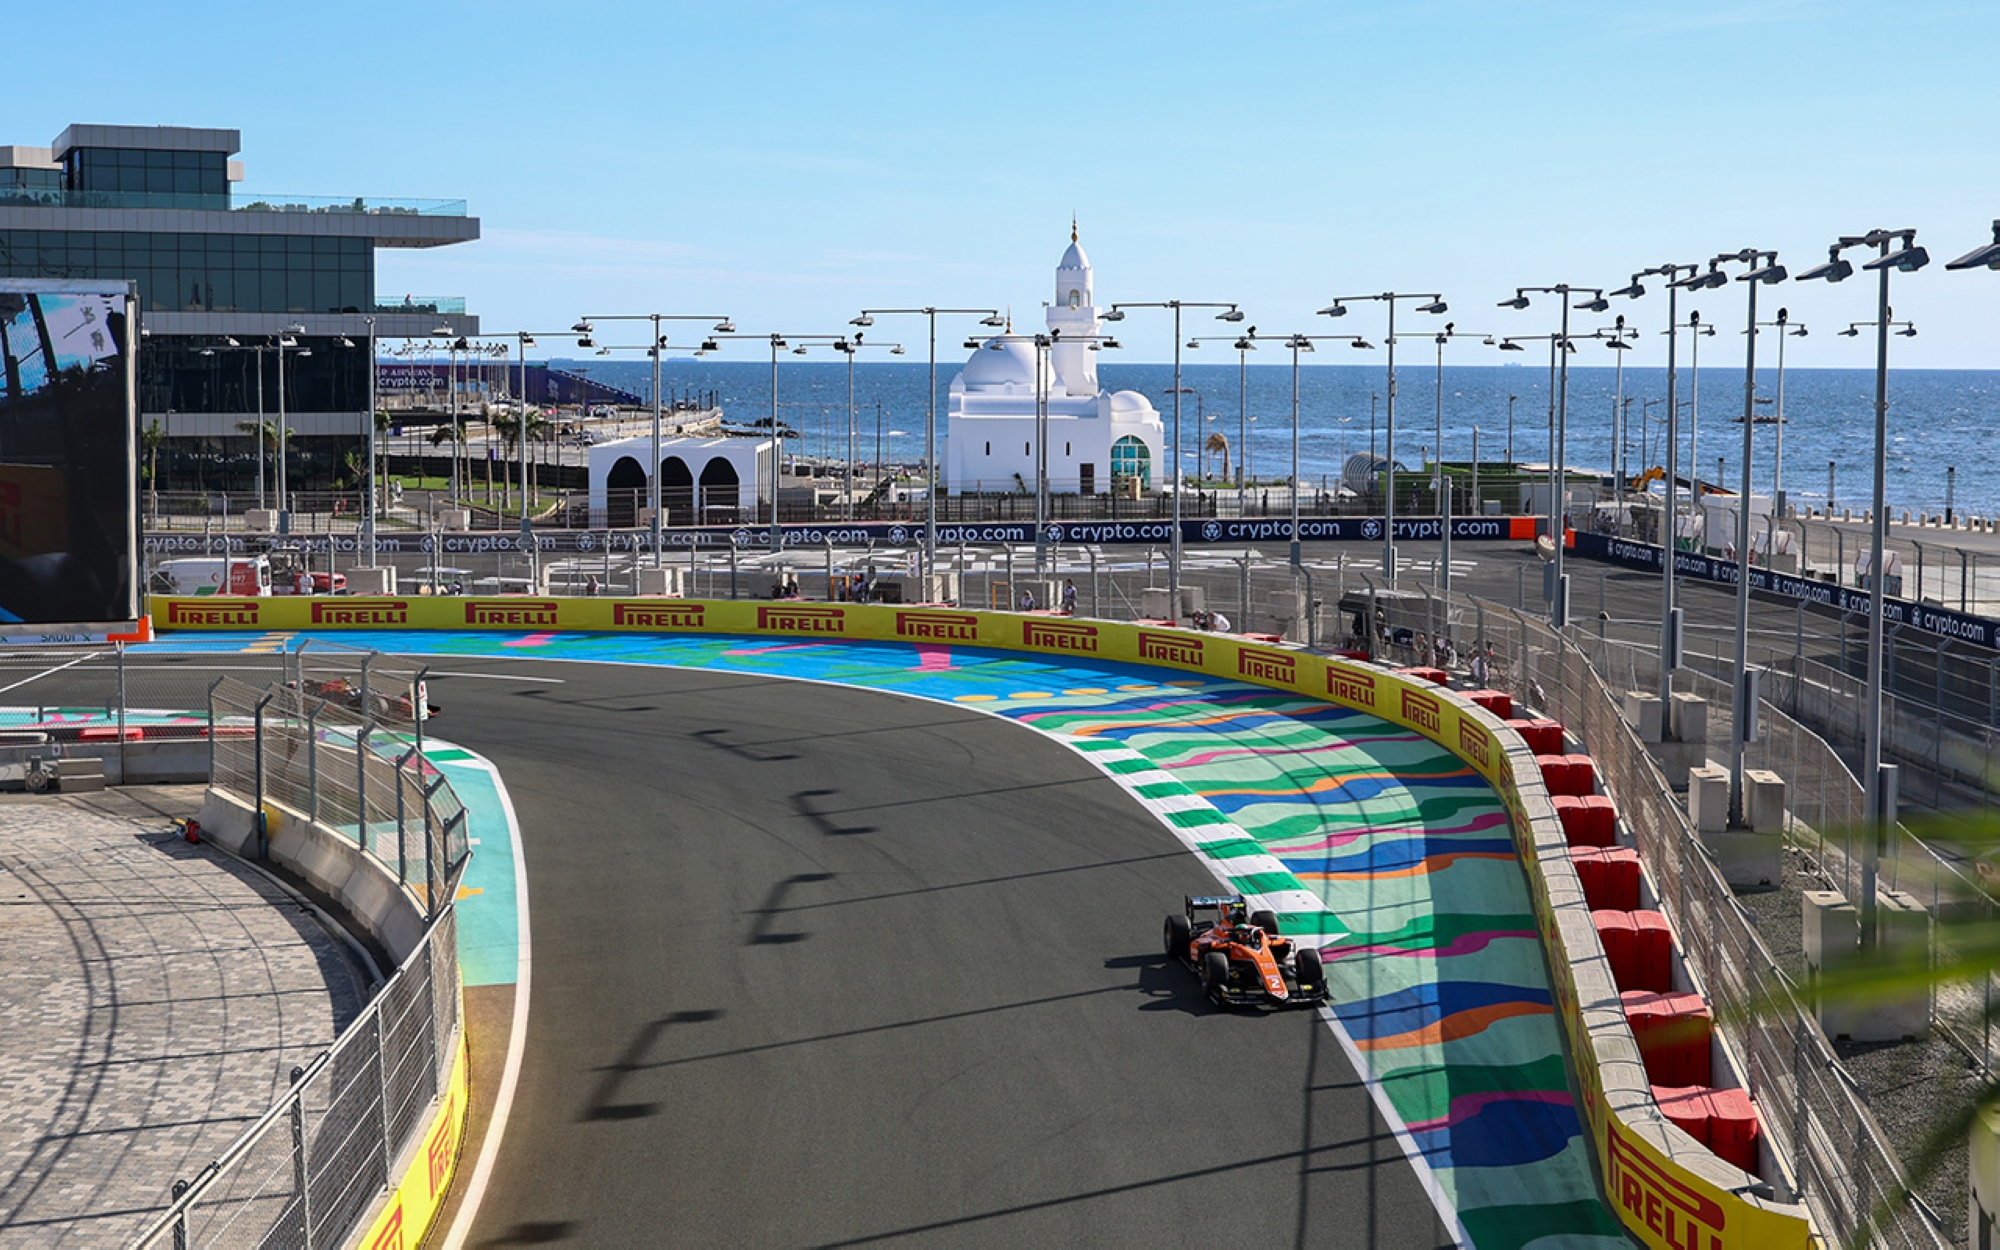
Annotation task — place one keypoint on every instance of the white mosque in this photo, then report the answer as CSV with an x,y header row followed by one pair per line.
x,y
1097,440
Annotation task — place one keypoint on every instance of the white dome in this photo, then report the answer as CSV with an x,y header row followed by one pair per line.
x,y
1074,257
1130,401
1001,362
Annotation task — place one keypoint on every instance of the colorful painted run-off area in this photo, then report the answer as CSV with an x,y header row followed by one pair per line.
x,y
1390,849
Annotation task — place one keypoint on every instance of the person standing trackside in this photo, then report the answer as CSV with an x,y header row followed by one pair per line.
x,y
1027,600
1069,597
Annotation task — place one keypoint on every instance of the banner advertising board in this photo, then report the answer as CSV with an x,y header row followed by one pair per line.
x,y
863,533
68,454
1943,622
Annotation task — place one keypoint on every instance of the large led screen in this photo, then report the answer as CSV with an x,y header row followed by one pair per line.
x,y
68,453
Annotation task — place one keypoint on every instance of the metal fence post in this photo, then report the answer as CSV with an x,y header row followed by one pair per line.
x,y
121,713
257,740
181,1219
211,727
361,784
1093,580
382,1090
301,1180
367,704
402,827
312,763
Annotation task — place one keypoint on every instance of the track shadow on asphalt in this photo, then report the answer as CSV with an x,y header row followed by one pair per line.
x,y
537,1233
602,1105
982,881
1165,985
761,932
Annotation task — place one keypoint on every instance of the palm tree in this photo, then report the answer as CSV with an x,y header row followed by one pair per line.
x,y
1218,445
266,435
149,441
453,432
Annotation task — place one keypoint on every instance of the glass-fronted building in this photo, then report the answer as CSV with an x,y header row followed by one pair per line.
x,y
229,283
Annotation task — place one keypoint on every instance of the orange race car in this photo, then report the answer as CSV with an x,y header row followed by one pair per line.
x,y
1241,957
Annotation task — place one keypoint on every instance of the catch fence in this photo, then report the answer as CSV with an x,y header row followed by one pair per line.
x,y
311,1167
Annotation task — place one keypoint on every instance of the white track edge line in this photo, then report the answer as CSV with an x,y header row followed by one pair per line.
x,y
517,1033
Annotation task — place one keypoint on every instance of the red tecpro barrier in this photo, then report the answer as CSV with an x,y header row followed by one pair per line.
x,y
1567,774
1435,676
109,733
1498,702
1655,940
1639,947
1544,737
1349,653
1609,875
1724,1120
1585,822
1673,1032
1732,1127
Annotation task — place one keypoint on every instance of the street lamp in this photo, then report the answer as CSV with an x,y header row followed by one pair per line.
x,y
584,328
1760,269
778,343
1679,277
1244,345
849,346
1558,588
1444,336
1230,313
1304,343
988,317
1786,328
1896,251
287,342
1434,304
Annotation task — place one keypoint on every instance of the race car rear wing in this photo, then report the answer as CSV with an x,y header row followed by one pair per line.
x,y
1212,902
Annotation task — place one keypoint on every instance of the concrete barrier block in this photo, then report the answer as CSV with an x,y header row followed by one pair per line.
x,y
225,821
312,853
455,518
79,774
1764,800
262,520
1645,713
1747,858
664,580
1708,798
375,580
1156,603
1687,717
1903,924
1678,759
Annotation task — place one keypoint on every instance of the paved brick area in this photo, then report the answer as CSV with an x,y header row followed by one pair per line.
x,y
154,997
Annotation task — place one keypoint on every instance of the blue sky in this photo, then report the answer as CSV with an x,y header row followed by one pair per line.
x,y
789,163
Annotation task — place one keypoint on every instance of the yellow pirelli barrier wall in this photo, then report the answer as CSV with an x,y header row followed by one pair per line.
x,y
1669,1190
406,1217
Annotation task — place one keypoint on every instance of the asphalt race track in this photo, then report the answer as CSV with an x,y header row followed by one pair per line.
x,y
820,966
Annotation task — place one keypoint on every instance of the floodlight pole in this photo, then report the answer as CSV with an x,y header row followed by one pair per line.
x,y
1230,313
1759,274
989,317
583,327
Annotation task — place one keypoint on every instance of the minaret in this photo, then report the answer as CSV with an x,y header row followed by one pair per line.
x,y
1074,313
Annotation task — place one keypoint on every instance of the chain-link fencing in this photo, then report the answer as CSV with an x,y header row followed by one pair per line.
x,y
307,1172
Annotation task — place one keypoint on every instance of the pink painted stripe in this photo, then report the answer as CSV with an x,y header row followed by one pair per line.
x,y
1464,1108
1491,820
529,640
1463,944
1273,752
932,658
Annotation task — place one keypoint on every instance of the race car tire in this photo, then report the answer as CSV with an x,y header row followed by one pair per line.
x,y
1267,921
1311,970
1215,973
1177,936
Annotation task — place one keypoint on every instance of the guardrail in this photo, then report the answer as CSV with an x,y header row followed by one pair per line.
x,y
374,1121
1819,1122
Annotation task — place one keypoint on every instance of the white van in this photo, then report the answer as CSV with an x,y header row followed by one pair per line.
x,y
212,575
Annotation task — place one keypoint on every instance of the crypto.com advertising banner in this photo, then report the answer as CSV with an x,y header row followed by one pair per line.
x,y
68,453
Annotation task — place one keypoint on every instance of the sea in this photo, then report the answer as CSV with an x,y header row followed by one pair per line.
x,y
1942,444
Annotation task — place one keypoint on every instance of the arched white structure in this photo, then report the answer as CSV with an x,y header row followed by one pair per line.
x,y
990,414
705,458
